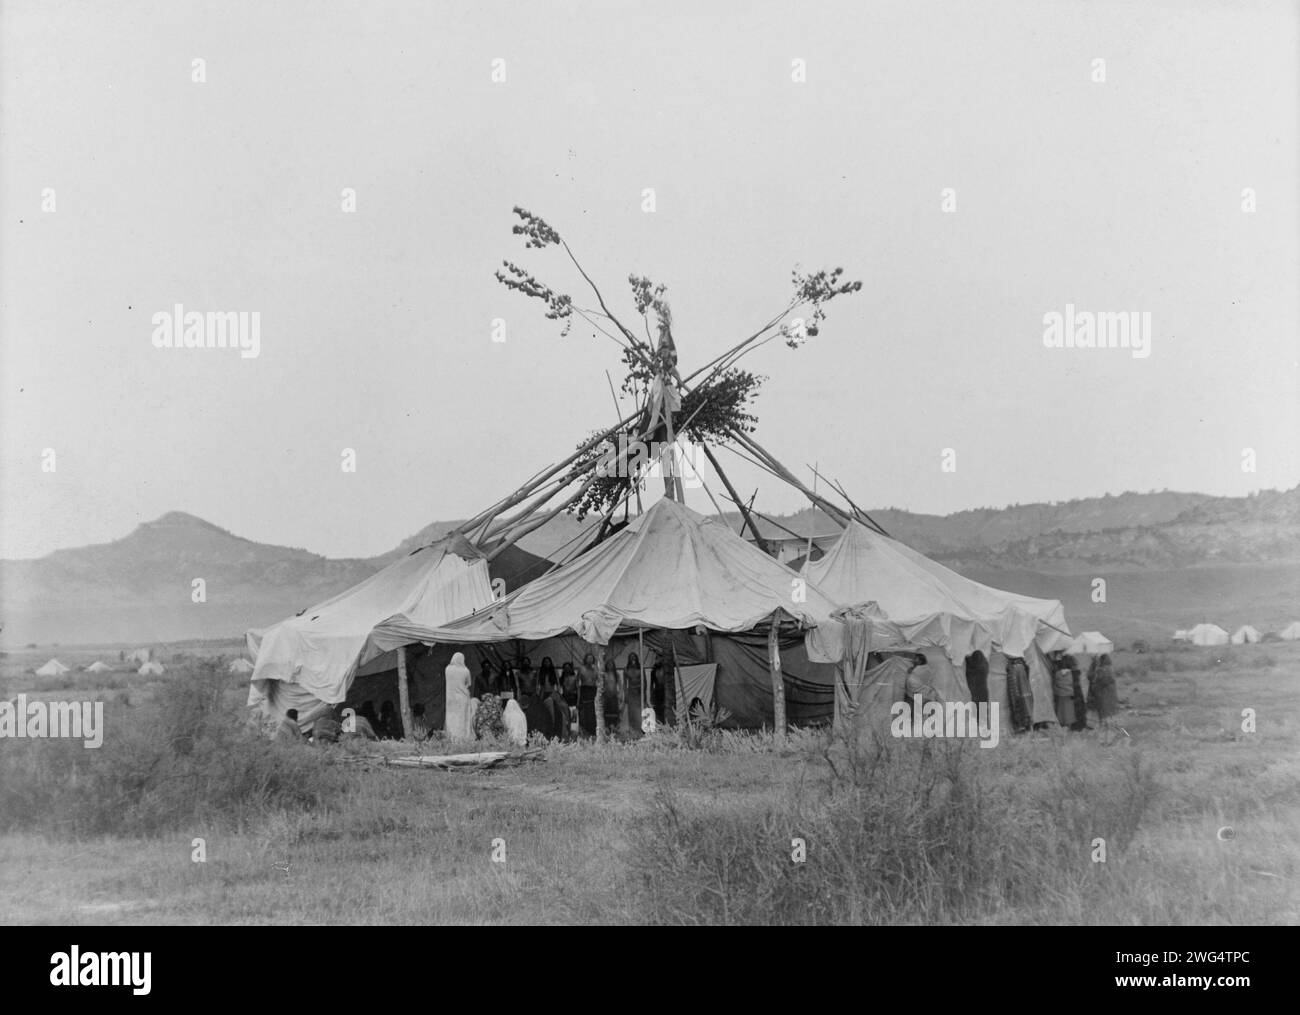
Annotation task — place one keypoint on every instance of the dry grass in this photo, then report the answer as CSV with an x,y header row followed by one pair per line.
x,y
673,828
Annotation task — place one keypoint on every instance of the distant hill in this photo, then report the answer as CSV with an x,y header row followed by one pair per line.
x,y
138,588
1263,528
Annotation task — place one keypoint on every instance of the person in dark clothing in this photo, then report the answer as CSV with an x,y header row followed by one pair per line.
x,y
526,679
612,702
367,712
1103,694
559,710
390,723
587,678
569,685
420,726
632,694
539,717
547,678
483,683
1020,697
977,679
506,686
1076,687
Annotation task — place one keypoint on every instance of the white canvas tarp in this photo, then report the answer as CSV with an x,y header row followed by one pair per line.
x,y
1208,634
932,604
670,568
1092,643
312,658
1245,635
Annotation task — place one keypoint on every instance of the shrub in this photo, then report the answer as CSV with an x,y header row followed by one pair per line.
x,y
901,833
185,759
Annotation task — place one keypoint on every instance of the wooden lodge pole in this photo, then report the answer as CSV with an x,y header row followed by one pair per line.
x,y
735,497
778,682
600,693
404,694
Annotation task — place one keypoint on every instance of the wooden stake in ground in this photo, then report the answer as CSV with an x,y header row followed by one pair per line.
x,y
600,692
778,682
403,693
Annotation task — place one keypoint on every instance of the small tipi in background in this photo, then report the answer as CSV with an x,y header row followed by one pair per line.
x,y
1245,635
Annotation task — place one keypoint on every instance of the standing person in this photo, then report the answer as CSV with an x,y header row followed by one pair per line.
x,y
559,709
457,722
1063,692
587,677
977,679
1076,685
546,677
506,683
664,677
1020,697
1103,693
525,678
568,691
632,694
538,714
483,683
613,701
920,681
569,684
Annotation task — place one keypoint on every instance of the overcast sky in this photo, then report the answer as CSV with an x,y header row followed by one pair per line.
x,y
226,195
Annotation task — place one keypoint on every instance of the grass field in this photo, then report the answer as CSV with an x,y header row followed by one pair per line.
x,y
1200,820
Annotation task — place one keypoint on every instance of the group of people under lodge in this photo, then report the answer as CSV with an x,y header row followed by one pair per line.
x,y
1070,703
515,700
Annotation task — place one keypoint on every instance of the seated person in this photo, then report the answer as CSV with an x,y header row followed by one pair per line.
x,y
287,731
353,723
325,730
390,723
487,721
419,726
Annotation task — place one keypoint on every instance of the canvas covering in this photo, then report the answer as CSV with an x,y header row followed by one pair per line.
x,y
312,658
932,604
1245,635
669,568
1092,643
1208,634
